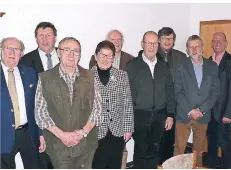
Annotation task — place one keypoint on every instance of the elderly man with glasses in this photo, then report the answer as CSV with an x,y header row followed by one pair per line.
x,y
153,101
67,108
19,132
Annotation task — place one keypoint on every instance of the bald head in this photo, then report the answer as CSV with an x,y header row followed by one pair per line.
x,y
150,44
148,34
219,43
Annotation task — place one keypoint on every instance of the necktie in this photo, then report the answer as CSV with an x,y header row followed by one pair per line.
x,y
49,61
166,57
14,96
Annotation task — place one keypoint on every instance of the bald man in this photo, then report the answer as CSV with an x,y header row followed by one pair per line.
x,y
219,128
153,101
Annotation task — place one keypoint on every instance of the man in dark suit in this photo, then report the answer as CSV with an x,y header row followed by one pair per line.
x,y
121,58
45,56
173,57
19,132
197,88
219,127
41,59
153,101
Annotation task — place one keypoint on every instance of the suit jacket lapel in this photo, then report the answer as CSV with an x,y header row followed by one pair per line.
x,y
192,72
25,84
4,88
38,61
205,72
223,62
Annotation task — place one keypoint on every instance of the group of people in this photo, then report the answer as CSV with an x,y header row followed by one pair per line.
x,y
57,114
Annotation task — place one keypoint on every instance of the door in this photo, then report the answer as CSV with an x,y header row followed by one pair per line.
x,y
208,28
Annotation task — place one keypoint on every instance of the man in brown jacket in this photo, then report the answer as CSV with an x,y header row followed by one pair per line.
x,y
121,58
67,108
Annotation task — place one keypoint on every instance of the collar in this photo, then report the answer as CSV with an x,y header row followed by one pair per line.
x,y
5,68
194,63
146,60
62,72
53,52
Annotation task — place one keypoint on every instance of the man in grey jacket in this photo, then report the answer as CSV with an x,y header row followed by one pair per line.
x,y
197,88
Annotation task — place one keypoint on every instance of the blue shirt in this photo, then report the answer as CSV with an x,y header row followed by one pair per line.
x,y
198,72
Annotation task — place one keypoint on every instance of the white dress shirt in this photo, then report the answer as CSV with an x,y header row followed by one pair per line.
x,y
20,92
54,58
150,64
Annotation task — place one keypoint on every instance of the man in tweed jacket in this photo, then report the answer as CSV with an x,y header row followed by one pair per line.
x,y
118,119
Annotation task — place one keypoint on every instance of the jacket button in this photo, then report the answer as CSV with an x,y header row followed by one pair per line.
x,y
107,100
12,110
108,110
13,125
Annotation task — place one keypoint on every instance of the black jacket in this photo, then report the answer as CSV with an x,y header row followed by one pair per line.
x,y
150,94
223,105
174,59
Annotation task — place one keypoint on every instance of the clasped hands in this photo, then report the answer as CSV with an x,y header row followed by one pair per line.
x,y
70,139
195,114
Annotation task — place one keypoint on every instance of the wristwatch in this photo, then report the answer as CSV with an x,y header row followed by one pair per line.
x,y
84,133
202,111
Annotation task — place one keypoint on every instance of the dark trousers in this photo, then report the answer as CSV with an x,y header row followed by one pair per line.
x,y
149,128
109,153
27,149
167,144
45,162
219,135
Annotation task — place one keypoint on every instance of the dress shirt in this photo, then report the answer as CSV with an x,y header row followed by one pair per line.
x,y
54,58
20,92
150,64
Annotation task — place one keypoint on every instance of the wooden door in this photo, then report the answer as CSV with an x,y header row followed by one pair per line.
x,y
208,28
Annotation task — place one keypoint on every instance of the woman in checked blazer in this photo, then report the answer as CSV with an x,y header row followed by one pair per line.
x,y
118,117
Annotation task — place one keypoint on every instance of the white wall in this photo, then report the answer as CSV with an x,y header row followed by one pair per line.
x,y
89,22
207,12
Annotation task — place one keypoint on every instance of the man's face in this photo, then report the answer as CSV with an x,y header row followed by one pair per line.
x,y
11,52
166,42
116,38
46,39
150,45
195,48
104,58
69,53
219,43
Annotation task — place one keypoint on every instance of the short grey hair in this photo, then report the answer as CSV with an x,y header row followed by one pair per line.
x,y
192,38
68,39
109,33
5,39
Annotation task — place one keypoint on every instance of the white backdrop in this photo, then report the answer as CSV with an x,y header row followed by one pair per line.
x,y
89,23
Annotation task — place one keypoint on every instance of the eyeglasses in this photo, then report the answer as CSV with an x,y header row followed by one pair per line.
x,y
167,39
102,56
10,49
118,39
217,42
150,44
67,51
